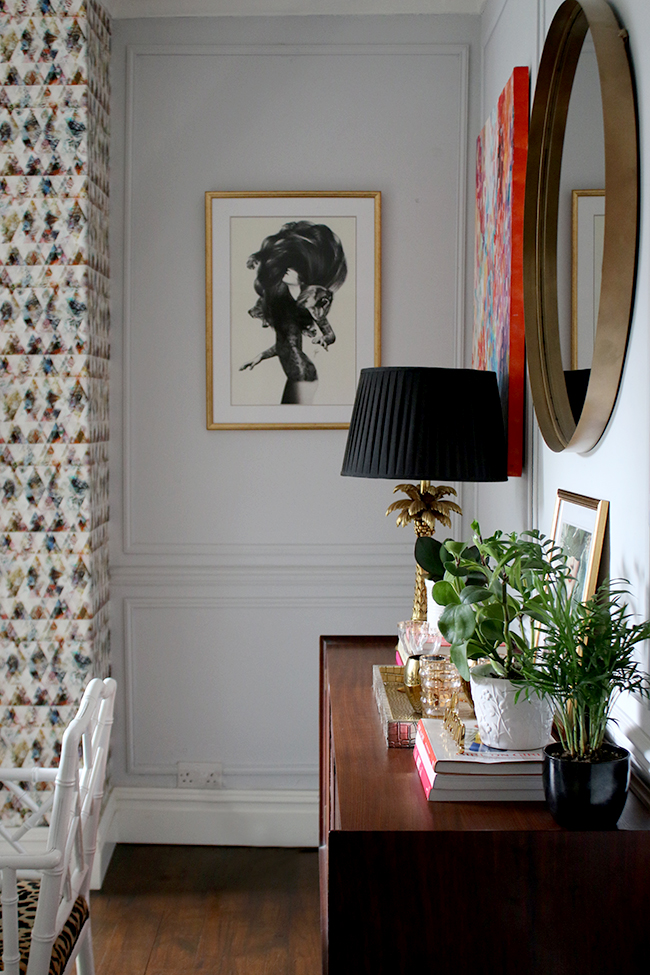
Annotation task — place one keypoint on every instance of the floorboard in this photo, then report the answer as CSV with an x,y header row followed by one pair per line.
x,y
207,911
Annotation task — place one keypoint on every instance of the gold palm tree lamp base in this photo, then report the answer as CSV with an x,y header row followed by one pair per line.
x,y
424,507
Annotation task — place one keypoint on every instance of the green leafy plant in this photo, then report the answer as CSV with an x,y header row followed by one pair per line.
x,y
586,661
491,593
428,556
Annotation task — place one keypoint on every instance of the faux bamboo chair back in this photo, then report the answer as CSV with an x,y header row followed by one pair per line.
x,y
45,902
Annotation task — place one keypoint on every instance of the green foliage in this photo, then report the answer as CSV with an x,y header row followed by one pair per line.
x,y
586,661
428,557
492,594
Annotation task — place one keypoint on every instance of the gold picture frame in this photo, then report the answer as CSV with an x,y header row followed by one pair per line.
x,y
579,524
285,344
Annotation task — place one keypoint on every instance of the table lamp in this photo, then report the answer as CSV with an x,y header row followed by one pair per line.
x,y
426,423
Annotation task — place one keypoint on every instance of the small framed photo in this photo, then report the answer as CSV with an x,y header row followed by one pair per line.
x,y
579,529
587,241
293,285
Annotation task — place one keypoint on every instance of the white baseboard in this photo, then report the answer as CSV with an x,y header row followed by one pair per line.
x,y
219,817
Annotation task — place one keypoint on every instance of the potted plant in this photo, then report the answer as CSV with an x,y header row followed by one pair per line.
x,y
491,593
586,661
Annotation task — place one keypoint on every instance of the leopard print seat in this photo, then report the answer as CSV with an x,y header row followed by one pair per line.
x,y
28,891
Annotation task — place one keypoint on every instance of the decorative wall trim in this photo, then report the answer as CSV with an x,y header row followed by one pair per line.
x,y
129,9
461,220
131,545
291,50
541,32
289,555
363,573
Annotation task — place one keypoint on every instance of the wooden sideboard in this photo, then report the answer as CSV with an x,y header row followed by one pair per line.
x,y
459,888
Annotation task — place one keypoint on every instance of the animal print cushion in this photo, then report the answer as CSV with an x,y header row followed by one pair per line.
x,y
62,948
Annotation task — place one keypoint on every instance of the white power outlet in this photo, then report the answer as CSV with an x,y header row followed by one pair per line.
x,y
199,775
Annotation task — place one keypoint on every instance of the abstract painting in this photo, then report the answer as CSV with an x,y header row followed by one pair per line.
x,y
498,273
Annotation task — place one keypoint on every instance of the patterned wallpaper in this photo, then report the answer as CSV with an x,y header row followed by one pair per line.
x,y
54,352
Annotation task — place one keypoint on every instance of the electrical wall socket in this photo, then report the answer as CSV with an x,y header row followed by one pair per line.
x,y
199,775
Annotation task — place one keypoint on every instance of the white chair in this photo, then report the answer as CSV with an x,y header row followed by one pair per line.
x,y
45,896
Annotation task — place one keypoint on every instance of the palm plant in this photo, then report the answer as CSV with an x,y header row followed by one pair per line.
x,y
585,663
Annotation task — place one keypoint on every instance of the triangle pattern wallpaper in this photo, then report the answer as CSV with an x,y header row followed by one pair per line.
x,y
54,352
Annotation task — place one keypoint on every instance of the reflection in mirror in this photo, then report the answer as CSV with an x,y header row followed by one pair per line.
x,y
587,243
583,171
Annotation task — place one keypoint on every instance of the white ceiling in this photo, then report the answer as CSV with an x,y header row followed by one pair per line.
x,y
208,8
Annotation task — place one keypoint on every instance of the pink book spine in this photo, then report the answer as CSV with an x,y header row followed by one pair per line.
x,y
424,771
425,744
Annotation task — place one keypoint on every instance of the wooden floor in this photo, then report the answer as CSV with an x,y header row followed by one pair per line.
x,y
200,910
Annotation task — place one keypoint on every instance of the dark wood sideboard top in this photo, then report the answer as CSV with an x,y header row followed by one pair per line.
x,y
378,787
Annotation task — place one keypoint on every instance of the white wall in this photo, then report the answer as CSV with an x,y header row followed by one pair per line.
x,y
232,551
509,38
618,468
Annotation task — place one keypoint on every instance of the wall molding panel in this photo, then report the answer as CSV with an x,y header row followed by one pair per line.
x,y
215,618
233,551
135,542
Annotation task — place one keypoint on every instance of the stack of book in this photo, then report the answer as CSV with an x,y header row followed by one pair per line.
x,y
474,772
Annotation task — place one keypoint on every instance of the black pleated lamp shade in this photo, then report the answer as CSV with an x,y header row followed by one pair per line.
x,y
426,424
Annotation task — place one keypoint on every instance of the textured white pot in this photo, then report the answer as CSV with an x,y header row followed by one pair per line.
x,y
434,611
504,724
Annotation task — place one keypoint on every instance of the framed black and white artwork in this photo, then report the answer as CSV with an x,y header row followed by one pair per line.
x,y
293,306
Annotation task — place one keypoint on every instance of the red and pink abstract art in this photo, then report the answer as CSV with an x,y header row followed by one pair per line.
x,y
498,343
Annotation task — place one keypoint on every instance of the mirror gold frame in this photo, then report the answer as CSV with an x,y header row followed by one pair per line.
x,y
546,138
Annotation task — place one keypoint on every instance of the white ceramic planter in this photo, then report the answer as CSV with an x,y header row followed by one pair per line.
x,y
434,611
504,724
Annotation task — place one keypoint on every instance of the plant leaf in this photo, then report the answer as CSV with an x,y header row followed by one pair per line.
x,y
445,594
475,594
427,556
457,623
458,657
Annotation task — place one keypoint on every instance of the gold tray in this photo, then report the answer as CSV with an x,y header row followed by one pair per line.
x,y
399,720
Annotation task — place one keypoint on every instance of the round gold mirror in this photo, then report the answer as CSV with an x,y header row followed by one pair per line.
x,y
568,417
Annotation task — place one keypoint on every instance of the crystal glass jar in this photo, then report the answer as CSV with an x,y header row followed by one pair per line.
x,y
438,681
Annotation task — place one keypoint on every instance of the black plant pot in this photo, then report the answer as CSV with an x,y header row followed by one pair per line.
x,y
586,795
